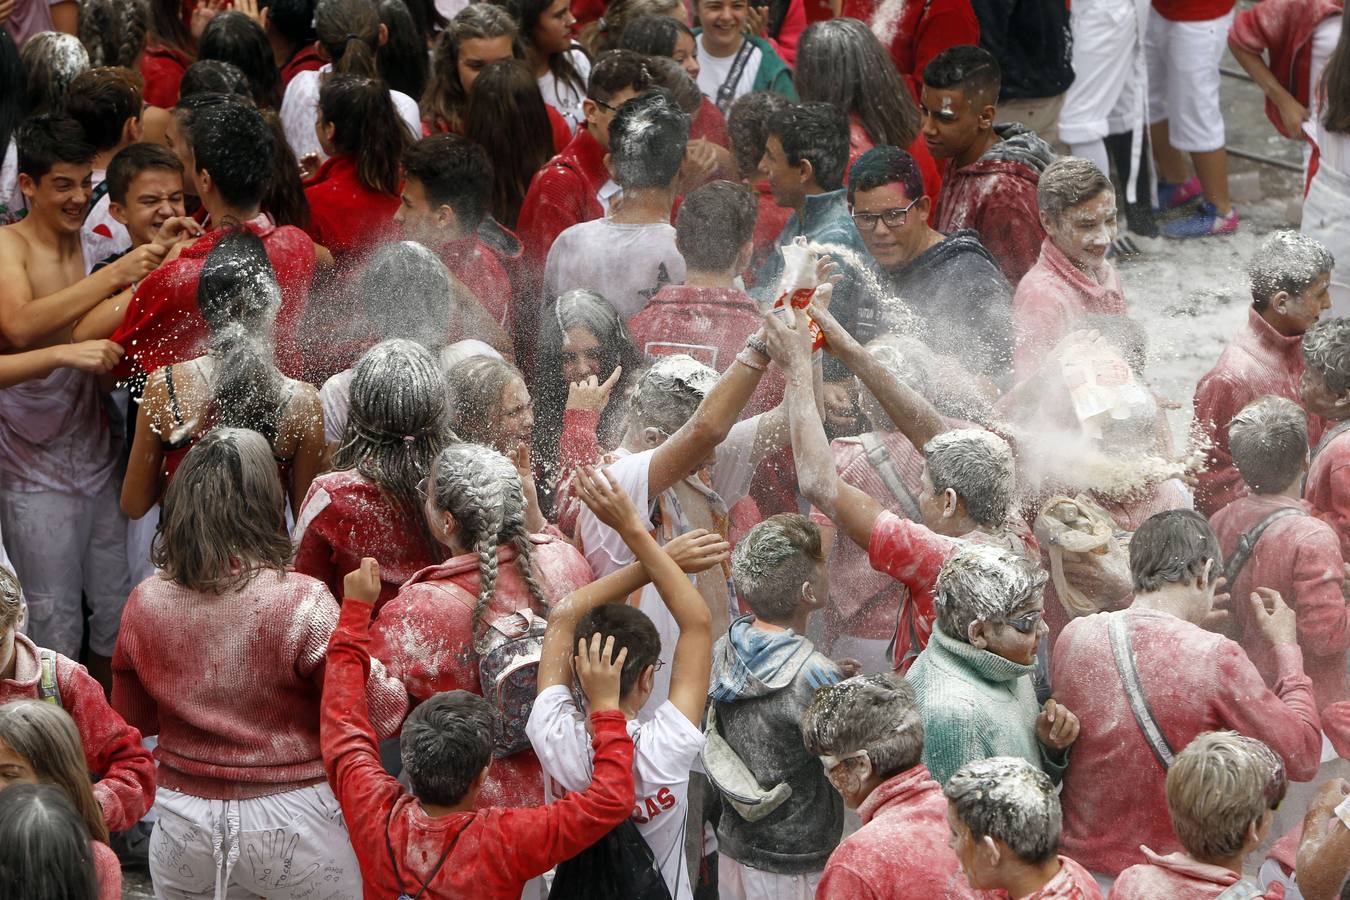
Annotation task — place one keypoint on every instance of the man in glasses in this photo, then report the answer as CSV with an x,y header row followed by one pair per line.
x,y
950,281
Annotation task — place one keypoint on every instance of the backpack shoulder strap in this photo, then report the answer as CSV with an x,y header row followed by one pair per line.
x,y
1242,889
1331,435
1117,630
48,689
1246,544
884,463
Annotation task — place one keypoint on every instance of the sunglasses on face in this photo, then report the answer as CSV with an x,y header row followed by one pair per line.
x,y
1028,623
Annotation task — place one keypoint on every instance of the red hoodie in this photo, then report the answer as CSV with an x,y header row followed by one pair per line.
x,y
561,194
917,30
1178,876
488,854
125,771
425,636
1284,29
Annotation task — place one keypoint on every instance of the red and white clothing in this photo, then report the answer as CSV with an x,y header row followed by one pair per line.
x,y
300,110
1178,876
1327,489
665,748
1300,557
1258,361
1051,297
1183,45
1072,882
425,636
231,683
561,194
1285,30
346,517
306,59
1192,10
345,216
901,850
1196,681
492,852
162,324
112,749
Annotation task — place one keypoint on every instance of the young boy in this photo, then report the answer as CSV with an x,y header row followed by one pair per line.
x,y
630,254
1290,275
709,317
432,841
747,127
1325,392
145,191
1072,277
780,824
1222,791
989,181
1005,822
669,739
107,104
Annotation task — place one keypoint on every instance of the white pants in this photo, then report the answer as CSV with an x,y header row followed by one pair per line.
x,y
1107,93
64,546
290,846
1183,79
739,882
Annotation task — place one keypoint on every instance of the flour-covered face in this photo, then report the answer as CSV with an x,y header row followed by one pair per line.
x,y
1084,232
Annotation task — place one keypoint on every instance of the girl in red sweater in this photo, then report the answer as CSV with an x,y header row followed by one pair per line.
x,y
39,744
222,655
369,505
353,195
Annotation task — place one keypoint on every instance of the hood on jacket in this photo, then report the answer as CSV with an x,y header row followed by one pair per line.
x,y
501,239
958,244
749,662
1018,151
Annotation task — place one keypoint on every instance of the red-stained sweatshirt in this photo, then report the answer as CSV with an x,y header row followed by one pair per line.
x,y
561,194
231,683
709,125
492,851
346,517
1259,361
1052,296
1178,876
1327,489
901,851
112,749
346,216
162,324
425,636
1283,29
915,31
1300,557
162,68
1195,681
1071,882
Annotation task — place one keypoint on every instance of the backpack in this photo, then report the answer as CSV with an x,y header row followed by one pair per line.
x,y
48,690
619,866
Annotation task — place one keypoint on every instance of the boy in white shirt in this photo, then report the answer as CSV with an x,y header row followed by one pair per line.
x,y
666,744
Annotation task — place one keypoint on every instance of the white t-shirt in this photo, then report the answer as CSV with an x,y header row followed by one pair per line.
x,y
335,399
300,108
732,473
626,264
11,198
564,96
664,749
714,70
1324,39
101,235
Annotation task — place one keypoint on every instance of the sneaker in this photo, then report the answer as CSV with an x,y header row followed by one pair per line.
x,y
1204,222
133,845
1170,196
1123,248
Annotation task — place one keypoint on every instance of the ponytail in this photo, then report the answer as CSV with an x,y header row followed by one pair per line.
x,y
366,126
245,386
349,31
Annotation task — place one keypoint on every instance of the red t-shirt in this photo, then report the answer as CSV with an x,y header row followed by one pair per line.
x,y
346,216
162,68
1193,10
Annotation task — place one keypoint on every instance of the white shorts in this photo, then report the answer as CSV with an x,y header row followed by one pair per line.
x,y
64,546
1106,96
740,882
284,847
1183,79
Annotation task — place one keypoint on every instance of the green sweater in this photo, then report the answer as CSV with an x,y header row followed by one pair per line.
x,y
975,705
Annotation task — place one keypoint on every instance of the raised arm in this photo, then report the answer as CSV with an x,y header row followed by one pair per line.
x,y
89,356
851,509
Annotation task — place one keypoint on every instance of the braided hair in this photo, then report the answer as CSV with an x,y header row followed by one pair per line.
x,y
481,489
114,31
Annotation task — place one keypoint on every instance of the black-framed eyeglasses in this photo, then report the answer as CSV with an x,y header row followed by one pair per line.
x,y
605,106
1027,623
893,218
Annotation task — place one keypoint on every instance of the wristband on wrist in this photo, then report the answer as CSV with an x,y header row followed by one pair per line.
x,y
748,359
757,345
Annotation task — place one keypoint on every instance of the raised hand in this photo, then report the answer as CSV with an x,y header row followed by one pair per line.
x,y
598,670
363,584
1056,727
610,503
592,394
697,551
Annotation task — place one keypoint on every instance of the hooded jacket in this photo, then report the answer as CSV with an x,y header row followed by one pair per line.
x,y
996,196
761,684
963,302
1180,877
1051,297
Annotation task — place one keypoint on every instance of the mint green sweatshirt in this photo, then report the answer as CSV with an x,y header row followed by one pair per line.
x,y
975,705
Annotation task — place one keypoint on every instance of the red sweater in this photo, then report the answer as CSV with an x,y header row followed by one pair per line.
x,y
107,871
306,59
346,216
1051,296
425,636
346,517
231,683
1327,489
112,749
917,31
1196,681
709,124
493,851
1259,361
901,850
1300,557
1284,30
162,324
1193,10
561,194
1178,876
162,69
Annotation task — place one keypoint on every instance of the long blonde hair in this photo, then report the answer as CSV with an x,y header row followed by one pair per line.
x,y
46,736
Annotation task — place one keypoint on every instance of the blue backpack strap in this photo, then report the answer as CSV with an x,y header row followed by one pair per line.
x,y
48,690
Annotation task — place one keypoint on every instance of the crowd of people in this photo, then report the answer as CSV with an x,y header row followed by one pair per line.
x,y
660,449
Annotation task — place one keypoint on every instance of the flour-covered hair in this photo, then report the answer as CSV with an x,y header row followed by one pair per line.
x,y
1220,785
978,466
876,713
1326,349
476,387
1268,439
1286,261
1171,547
406,292
773,561
1067,182
1010,800
984,583
668,394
